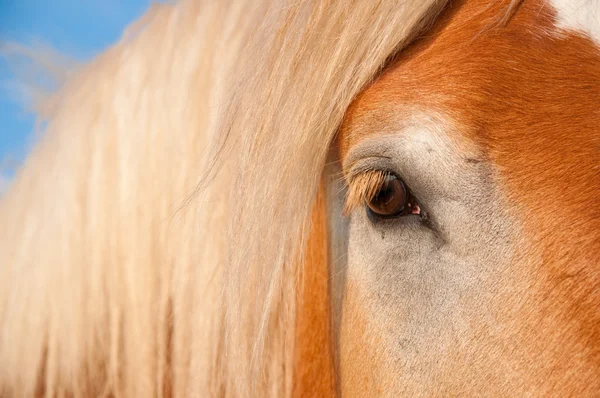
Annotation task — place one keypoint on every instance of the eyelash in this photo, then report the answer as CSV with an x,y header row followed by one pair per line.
x,y
368,185
392,199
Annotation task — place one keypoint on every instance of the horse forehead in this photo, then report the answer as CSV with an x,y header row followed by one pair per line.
x,y
469,56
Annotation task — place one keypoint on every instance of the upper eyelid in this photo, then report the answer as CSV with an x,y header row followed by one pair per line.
x,y
375,151
383,155
366,164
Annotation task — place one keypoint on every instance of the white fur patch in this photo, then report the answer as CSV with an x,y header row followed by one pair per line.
x,y
579,15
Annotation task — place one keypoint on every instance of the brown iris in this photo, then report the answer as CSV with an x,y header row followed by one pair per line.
x,y
391,199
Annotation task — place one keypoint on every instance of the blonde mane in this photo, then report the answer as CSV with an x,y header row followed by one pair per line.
x,y
111,282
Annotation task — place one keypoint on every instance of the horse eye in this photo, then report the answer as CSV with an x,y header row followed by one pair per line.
x,y
392,199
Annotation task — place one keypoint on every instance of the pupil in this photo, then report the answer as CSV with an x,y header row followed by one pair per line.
x,y
391,198
386,195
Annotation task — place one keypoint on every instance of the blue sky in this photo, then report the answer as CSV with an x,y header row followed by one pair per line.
x,y
78,28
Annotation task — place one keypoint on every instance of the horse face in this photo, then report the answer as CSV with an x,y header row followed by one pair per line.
x,y
472,248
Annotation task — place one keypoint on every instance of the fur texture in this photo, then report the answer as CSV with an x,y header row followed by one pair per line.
x,y
153,243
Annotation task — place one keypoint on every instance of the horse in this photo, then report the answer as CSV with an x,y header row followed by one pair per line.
x,y
309,198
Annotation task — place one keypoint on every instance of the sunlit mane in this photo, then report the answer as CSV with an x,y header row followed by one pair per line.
x,y
114,287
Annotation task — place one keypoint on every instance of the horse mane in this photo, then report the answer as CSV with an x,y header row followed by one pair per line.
x,y
149,243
